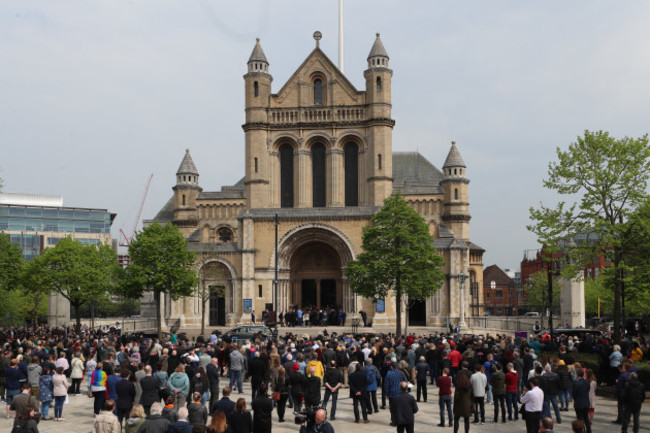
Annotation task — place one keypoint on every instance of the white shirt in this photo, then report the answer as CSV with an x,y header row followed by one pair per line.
x,y
533,399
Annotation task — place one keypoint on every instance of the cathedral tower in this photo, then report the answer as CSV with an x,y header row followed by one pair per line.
x,y
185,192
456,199
258,94
379,160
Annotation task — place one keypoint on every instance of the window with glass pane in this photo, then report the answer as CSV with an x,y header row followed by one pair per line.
x,y
318,91
318,174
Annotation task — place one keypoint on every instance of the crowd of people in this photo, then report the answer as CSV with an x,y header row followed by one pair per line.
x,y
145,385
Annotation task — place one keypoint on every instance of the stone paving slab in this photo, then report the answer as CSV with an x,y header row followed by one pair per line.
x,y
79,419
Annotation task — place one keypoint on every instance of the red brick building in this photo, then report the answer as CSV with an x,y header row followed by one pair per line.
x,y
501,297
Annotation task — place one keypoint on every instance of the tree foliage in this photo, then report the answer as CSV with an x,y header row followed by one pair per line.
x,y
160,262
79,273
11,263
605,180
537,293
398,257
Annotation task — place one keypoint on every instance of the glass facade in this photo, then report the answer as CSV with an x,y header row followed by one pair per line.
x,y
37,219
34,228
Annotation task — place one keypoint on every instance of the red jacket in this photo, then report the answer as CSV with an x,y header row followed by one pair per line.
x,y
455,358
512,378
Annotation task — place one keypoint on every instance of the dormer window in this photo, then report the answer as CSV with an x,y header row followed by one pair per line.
x,y
318,91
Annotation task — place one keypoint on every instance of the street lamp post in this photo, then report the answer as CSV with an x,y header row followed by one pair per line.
x,y
461,283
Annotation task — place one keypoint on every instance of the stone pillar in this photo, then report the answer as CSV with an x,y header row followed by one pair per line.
x,y
572,304
58,311
248,265
334,179
303,179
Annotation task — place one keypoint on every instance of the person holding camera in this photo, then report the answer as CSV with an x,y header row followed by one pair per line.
x,y
321,425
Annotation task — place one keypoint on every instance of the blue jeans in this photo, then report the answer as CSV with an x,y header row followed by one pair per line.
x,y
236,375
45,408
445,401
11,393
546,408
511,404
58,405
488,394
335,396
565,398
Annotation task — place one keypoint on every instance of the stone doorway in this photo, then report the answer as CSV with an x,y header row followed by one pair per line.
x,y
418,313
316,269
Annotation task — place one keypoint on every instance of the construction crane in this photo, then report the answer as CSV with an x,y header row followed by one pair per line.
x,y
127,239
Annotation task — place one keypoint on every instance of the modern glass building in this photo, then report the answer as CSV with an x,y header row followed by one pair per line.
x,y
35,222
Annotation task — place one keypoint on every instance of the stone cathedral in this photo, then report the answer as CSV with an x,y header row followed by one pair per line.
x,y
319,163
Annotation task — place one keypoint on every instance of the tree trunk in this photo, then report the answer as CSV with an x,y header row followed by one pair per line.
x,y
156,299
398,310
78,316
617,304
203,302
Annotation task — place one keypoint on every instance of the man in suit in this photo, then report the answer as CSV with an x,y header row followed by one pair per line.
x,y
226,405
358,384
580,394
405,409
125,390
212,371
150,389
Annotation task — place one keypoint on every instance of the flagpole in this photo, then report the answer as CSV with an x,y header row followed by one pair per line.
x,y
341,48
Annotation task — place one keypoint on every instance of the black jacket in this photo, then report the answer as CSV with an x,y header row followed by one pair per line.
x,y
298,383
241,422
312,391
213,377
405,408
262,410
633,394
258,370
580,393
150,387
332,376
226,405
125,394
154,424
550,384
358,383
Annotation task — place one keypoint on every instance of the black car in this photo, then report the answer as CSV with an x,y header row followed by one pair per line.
x,y
249,332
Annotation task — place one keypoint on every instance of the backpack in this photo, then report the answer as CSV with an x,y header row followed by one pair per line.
x,y
198,383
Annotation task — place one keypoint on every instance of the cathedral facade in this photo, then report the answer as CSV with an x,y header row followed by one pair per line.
x,y
318,164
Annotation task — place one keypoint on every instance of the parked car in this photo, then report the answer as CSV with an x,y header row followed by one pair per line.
x,y
249,332
532,314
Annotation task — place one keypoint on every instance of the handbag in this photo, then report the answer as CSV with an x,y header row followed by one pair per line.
x,y
275,395
90,393
522,411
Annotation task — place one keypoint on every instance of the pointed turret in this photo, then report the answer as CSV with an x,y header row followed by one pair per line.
x,y
378,57
257,61
455,188
453,162
185,192
187,172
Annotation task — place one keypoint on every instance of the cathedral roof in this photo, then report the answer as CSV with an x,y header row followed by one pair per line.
x,y
187,165
453,158
414,174
166,213
237,190
378,49
258,54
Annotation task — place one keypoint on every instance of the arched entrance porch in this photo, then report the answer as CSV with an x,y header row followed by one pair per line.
x,y
312,260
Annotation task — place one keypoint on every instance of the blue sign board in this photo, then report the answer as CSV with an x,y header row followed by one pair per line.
x,y
248,305
380,306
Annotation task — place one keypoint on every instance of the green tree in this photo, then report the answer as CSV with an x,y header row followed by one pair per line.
x,y
11,264
398,257
33,292
595,289
160,262
537,292
79,273
606,181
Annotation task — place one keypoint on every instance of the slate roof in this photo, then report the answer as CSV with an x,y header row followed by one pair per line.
x,y
187,165
165,214
258,54
378,49
237,190
414,174
496,274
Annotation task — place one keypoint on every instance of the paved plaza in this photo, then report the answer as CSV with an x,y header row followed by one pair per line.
x,y
79,419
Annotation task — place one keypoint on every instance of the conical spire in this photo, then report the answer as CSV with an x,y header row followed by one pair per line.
x,y
453,158
378,56
258,54
187,166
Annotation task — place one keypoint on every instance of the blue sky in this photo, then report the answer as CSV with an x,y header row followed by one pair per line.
x,y
96,95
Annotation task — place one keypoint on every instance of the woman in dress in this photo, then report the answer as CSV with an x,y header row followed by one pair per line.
x,y
59,391
591,378
241,420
